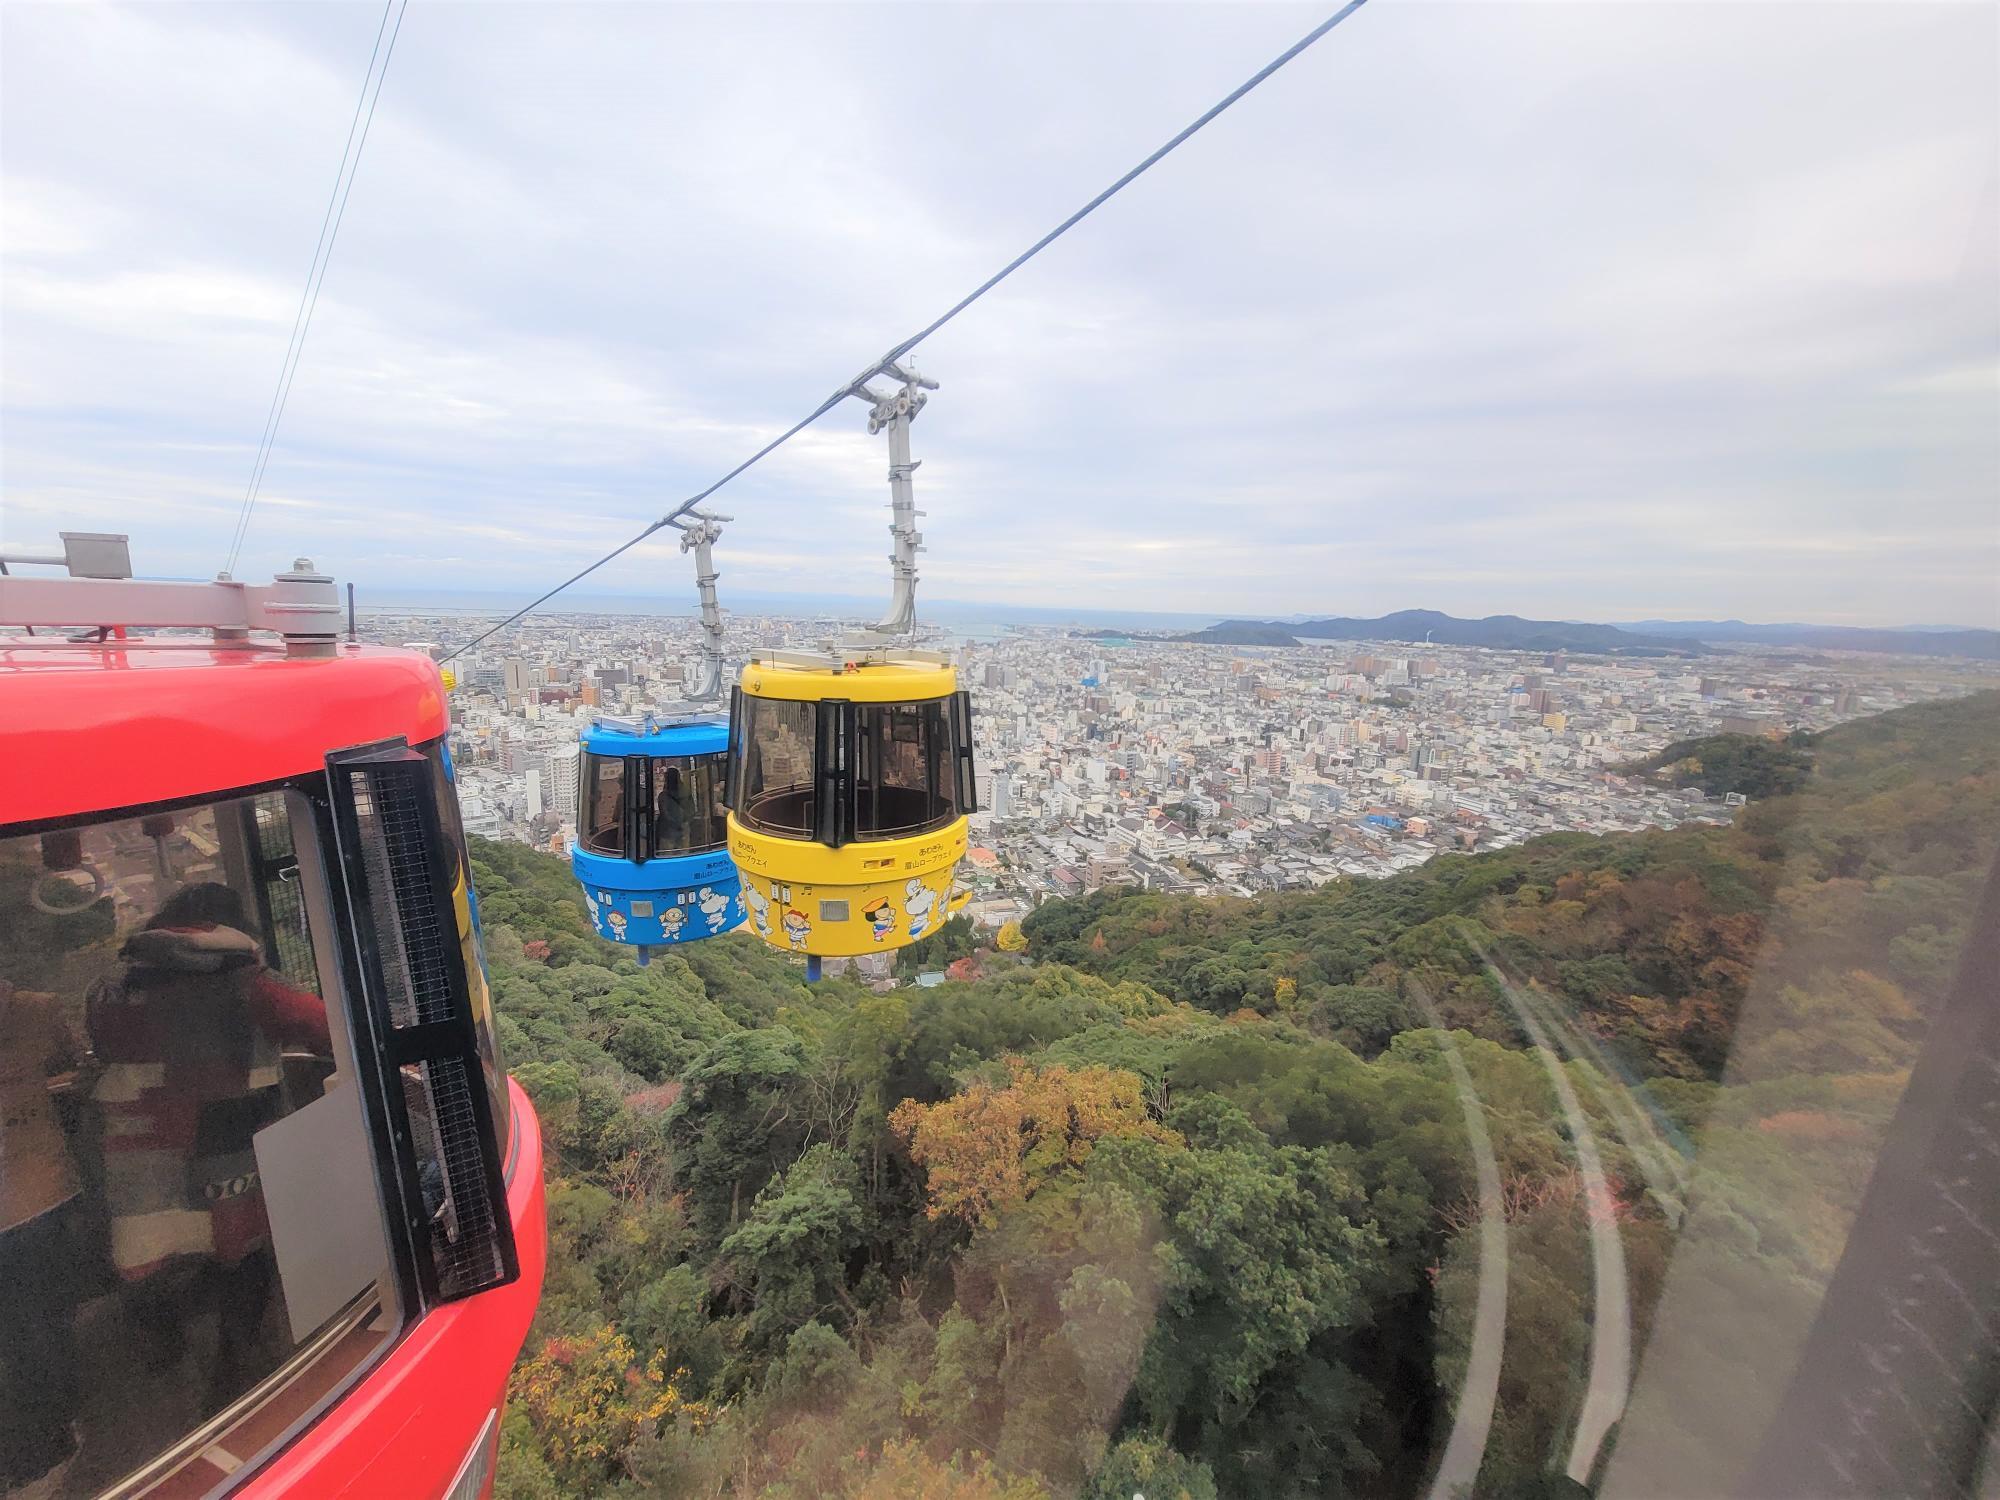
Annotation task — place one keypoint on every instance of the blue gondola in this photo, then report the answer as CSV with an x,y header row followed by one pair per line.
x,y
652,837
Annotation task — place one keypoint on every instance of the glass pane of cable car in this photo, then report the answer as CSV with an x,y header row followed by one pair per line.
x,y
604,804
189,1211
903,784
777,791
688,815
472,945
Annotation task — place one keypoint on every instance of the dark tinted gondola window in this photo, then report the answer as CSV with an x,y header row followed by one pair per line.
x,y
903,781
687,805
776,790
603,784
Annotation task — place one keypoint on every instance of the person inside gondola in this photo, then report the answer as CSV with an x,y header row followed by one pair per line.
x,y
189,1038
673,812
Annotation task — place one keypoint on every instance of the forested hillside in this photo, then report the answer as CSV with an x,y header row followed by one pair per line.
x,y
1181,1200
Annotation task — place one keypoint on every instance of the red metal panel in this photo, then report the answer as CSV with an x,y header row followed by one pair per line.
x,y
406,1428
86,730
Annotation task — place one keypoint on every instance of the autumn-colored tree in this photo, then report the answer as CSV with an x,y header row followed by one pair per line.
x,y
990,1148
589,1400
1011,938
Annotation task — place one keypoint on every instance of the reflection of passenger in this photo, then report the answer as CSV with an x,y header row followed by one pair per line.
x,y
39,1281
189,1040
671,829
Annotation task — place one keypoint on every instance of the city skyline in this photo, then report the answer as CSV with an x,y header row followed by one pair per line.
x,y
1206,769
943,612
1465,308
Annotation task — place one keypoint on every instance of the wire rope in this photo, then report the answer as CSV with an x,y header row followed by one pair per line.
x,y
897,351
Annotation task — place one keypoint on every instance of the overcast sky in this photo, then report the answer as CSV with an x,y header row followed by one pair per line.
x,y
1582,310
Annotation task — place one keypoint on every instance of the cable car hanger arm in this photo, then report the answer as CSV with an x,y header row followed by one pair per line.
x,y
699,532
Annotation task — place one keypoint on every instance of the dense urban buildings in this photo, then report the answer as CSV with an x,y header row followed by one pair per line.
x,y
1108,759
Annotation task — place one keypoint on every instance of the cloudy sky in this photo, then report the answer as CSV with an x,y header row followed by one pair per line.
x,y
1587,310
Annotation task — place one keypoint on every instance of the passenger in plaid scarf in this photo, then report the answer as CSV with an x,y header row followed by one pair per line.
x,y
189,1040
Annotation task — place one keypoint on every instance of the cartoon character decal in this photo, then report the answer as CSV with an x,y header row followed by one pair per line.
x,y
617,921
797,928
881,917
714,906
671,922
921,901
596,917
760,909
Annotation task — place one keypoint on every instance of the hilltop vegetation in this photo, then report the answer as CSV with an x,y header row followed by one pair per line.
x,y
1180,1198
1750,765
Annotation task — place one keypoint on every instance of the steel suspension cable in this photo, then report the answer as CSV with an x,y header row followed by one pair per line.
x,y
897,351
329,231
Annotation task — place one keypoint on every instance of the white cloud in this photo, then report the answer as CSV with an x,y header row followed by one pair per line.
x,y
1490,307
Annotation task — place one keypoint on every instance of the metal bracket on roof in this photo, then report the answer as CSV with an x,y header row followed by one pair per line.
x,y
301,605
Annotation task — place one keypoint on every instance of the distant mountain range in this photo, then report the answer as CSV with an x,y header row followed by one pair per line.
x,y
1908,640
1641,638
1498,632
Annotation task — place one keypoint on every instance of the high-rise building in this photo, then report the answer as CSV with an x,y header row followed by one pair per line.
x,y
564,763
1002,805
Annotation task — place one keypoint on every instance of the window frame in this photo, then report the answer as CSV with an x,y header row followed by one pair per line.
x,y
844,765
586,782
393,1048
402,1305
704,770
743,713
877,728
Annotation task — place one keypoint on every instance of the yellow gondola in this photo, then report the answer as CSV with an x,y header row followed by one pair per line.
x,y
850,780
850,777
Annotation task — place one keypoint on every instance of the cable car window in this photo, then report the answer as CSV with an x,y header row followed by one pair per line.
x,y
777,791
903,782
688,815
190,1218
471,944
604,804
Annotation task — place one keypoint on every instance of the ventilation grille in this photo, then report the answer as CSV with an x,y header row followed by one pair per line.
x,y
448,1146
401,897
444,1127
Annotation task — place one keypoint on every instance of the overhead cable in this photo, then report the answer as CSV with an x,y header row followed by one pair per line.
x,y
329,231
898,351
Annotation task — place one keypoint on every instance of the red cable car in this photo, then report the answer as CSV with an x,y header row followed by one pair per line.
x,y
271,1214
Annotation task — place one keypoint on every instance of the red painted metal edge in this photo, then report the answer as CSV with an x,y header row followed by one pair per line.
x,y
404,1430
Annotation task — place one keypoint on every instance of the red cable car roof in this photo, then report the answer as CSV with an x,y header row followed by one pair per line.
x,y
90,729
